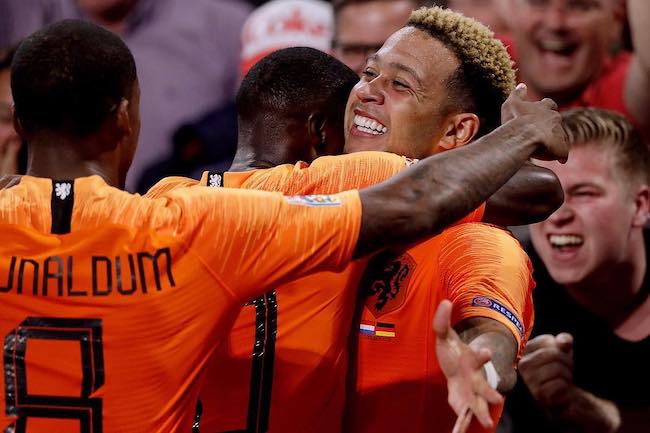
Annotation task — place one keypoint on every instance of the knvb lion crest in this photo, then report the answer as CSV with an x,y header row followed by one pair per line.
x,y
62,190
387,281
215,180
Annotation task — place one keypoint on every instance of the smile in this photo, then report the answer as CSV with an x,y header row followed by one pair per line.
x,y
561,241
557,46
369,126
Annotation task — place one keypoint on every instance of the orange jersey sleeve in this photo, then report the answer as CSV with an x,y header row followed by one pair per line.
x,y
325,175
486,273
267,237
169,184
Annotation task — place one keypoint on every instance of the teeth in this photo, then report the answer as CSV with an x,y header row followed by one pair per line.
x,y
555,44
565,240
368,125
367,130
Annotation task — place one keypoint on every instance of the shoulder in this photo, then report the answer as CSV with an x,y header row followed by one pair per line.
x,y
482,243
614,70
477,232
361,157
169,184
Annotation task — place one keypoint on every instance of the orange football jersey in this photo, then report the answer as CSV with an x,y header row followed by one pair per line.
x,y
284,365
112,305
398,384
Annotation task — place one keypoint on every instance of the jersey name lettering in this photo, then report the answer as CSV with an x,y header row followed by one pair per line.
x,y
119,275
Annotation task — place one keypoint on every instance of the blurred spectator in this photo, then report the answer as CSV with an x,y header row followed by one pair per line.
x,y
209,142
283,24
362,26
564,51
186,51
10,143
586,370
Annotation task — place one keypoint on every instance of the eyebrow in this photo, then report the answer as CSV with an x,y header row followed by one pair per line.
x,y
585,184
401,67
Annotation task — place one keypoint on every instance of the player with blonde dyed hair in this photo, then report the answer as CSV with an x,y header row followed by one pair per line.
x,y
485,74
436,85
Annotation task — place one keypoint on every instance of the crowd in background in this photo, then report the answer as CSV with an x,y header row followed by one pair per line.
x,y
585,368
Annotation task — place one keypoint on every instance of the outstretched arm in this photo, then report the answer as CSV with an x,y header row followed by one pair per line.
x,y
530,196
637,95
463,358
420,202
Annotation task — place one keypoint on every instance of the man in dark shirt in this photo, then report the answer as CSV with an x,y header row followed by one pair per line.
x,y
586,370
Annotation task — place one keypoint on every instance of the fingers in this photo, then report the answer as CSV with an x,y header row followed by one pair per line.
x,y
490,394
549,103
463,421
482,413
565,342
547,369
521,91
540,374
553,392
482,356
535,362
442,319
545,340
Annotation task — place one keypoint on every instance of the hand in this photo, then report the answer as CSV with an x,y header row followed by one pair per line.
x,y
469,391
547,370
542,120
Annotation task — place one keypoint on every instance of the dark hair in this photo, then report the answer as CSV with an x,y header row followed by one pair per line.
x,y
485,76
69,76
294,81
6,57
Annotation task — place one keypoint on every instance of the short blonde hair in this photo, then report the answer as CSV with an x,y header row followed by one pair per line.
x,y
608,130
486,72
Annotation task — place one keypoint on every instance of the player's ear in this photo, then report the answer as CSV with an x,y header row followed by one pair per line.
x,y
316,131
123,117
459,130
116,128
642,206
17,125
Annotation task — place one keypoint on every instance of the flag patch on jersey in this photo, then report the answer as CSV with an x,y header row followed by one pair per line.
x,y
314,200
367,328
378,329
482,301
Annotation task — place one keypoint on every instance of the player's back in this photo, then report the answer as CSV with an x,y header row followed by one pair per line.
x,y
283,366
112,304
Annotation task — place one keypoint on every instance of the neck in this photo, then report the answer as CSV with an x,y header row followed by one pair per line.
x,y
247,159
264,148
615,291
59,158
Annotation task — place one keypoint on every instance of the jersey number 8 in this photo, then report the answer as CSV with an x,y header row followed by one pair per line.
x,y
18,402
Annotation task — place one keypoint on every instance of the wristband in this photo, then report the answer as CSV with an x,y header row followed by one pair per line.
x,y
491,375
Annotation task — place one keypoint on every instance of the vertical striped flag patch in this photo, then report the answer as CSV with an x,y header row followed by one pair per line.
x,y
377,329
